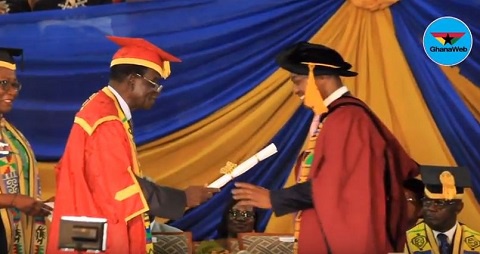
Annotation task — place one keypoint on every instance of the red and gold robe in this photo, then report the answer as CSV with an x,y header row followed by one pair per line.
x,y
96,176
348,177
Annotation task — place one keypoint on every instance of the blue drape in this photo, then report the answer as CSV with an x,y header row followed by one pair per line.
x,y
227,48
420,14
459,128
271,174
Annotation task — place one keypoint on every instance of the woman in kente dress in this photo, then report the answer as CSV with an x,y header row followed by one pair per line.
x,y
22,214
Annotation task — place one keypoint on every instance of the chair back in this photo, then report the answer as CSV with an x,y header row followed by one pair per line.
x,y
172,243
266,243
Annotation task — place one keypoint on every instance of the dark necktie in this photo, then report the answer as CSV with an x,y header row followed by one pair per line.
x,y
444,245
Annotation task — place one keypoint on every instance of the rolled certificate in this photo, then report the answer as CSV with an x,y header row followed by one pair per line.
x,y
51,204
244,166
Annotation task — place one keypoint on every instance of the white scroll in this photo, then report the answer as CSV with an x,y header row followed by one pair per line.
x,y
234,170
52,205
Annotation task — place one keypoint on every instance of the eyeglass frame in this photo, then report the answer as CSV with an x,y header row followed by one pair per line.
x,y
234,214
437,203
155,85
7,85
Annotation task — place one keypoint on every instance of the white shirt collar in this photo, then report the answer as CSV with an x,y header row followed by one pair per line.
x,y
335,95
450,233
123,103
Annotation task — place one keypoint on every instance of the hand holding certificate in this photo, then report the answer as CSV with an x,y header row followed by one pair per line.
x,y
231,170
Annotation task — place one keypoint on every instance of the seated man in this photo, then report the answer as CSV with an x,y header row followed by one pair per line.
x,y
440,232
238,219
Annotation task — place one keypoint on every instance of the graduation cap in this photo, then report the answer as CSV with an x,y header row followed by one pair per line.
x,y
313,60
306,58
445,182
139,51
6,57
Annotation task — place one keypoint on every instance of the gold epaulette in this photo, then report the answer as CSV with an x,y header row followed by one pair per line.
x,y
91,128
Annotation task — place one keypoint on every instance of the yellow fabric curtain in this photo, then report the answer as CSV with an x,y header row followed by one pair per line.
x,y
367,40
194,155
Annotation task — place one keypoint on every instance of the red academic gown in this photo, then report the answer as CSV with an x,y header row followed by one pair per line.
x,y
96,177
348,187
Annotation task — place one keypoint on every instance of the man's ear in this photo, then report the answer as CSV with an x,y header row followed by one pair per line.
x,y
459,207
131,81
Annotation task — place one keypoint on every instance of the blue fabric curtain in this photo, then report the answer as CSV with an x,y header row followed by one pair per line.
x,y
271,174
227,48
419,14
458,126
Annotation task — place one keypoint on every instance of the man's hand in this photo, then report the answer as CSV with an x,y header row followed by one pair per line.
x,y
31,206
196,195
252,195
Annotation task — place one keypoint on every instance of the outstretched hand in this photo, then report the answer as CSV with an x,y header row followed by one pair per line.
x,y
197,195
252,195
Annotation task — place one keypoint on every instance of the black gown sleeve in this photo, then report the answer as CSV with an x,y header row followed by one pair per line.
x,y
295,198
164,202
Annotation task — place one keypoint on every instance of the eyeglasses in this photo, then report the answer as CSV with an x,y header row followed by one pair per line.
x,y
236,214
6,85
154,84
437,203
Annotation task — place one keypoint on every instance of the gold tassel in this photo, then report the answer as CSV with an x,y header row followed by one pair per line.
x,y
448,185
165,70
313,99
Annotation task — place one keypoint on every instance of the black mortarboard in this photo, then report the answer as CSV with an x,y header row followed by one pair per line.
x,y
6,57
323,60
445,182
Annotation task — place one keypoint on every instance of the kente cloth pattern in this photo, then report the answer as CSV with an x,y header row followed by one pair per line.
x,y
25,235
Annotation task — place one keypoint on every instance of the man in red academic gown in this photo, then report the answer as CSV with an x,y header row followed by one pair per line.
x,y
353,200
99,175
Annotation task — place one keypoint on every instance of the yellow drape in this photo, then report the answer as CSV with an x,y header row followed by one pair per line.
x,y
373,5
385,82
195,154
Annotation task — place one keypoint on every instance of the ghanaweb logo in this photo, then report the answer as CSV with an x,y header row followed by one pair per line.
x,y
447,41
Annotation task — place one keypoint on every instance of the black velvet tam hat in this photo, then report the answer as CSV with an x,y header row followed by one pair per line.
x,y
303,56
